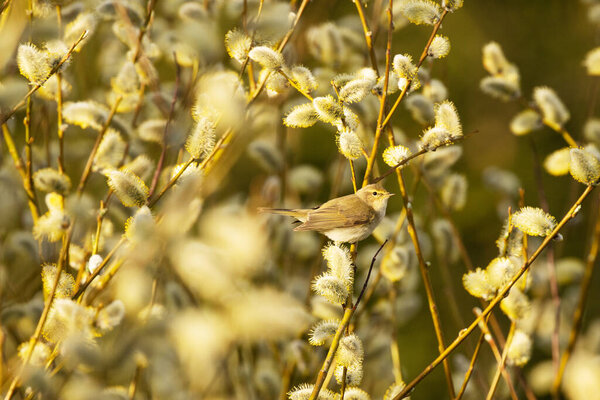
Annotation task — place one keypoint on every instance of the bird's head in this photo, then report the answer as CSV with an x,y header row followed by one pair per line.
x,y
375,196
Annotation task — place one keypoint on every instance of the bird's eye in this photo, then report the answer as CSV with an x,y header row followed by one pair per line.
x,y
374,193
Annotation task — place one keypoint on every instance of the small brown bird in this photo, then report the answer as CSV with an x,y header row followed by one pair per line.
x,y
346,219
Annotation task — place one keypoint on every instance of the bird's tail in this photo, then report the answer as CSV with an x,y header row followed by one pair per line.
x,y
298,214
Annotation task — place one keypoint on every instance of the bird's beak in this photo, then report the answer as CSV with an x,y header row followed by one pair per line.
x,y
389,194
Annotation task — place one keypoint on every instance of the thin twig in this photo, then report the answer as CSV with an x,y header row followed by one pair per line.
x,y
98,270
424,269
331,353
383,97
581,302
501,365
12,150
469,372
90,161
163,143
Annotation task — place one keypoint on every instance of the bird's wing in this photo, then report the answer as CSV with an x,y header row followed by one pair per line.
x,y
337,214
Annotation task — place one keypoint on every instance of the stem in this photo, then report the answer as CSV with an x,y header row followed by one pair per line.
x,y
368,33
412,231
31,200
471,368
383,96
90,161
163,144
496,352
581,302
40,325
501,364
467,331
331,353
99,269
59,119
562,131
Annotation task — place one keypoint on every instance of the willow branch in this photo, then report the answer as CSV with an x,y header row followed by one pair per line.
x,y
38,85
496,300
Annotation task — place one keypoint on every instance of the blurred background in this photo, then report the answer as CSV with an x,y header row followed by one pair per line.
x,y
546,39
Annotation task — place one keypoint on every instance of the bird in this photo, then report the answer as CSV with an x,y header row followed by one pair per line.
x,y
346,219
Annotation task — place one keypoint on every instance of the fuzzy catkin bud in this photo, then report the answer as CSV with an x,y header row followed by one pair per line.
x,y
142,166
444,240
421,11
500,271
421,108
40,355
552,108
140,226
304,78
500,87
110,151
85,21
534,221
50,180
516,305
110,316
434,137
440,47
238,44
85,114
66,283
350,350
584,166
592,62
355,90
446,116
339,262
34,64
202,139
525,122
452,5
328,110
394,390
394,155
396,263
152,130
129,188
332,288
322,331
435,91
558,162
267,57
454,192
591,130
403,66
127,80
303,392
478,285
349,144
519,349
301,116
354,376
494,60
